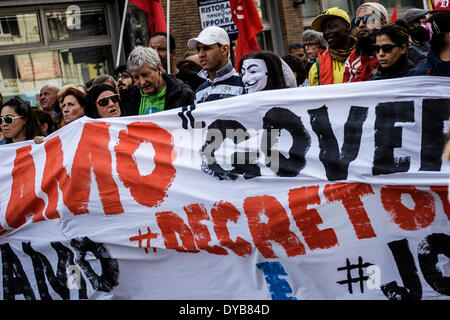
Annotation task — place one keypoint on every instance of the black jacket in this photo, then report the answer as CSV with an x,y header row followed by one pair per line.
x,y
398,70
178,94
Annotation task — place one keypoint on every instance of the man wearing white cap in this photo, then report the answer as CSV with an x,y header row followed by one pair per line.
x,y
369,18
222,81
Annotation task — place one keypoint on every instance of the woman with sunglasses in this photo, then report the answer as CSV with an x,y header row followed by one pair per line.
x,y
18,121
391,51
102,101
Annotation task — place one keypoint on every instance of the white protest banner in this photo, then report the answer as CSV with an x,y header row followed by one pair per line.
x,y
330,192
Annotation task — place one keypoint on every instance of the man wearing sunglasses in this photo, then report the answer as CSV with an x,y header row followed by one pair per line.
x,y
158,91
129,92
368,20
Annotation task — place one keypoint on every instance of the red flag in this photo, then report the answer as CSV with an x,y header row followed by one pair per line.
x,y
249,24
155,13
394,15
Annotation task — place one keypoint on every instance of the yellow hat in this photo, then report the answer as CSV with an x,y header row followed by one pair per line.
x,y
316,24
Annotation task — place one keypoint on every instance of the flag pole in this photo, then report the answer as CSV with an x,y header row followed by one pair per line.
x,y
121,33
168,36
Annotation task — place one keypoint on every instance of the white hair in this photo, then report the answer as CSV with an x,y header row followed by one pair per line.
x,y
141,55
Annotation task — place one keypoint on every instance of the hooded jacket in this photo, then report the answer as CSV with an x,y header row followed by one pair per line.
x,y
432,65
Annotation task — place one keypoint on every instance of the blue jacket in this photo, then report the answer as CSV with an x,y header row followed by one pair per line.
x,y
432,65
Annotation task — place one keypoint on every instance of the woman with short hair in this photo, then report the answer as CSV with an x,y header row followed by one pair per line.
x,y
73,103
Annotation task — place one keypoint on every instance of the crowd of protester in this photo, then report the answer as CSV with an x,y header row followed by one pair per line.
x,y
336,50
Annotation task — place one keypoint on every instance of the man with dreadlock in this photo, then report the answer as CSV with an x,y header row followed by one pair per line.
x,y
330,65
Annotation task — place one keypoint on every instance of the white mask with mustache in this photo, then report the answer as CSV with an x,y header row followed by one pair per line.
x,y
254,75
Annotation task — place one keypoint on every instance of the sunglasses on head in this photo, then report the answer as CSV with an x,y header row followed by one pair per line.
x,y
104,101
387,48
8,119
364,19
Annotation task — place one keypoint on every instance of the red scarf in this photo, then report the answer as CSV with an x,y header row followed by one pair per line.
x,y
326,68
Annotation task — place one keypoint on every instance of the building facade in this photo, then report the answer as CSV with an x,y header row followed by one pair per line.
x,y
69,42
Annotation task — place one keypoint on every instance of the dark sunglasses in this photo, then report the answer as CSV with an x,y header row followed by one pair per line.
x,y
387,48
364,19
104,101
8,119
122,75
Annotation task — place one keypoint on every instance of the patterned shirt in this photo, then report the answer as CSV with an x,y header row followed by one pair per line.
x,y
227,84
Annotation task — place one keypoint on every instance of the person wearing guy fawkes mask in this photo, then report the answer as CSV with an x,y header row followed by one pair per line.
x,y
368,20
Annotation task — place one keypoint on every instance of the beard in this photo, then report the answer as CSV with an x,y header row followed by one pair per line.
x,y
364,44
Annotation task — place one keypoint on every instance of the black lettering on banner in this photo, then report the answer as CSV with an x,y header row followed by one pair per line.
x,y
336,163
15,280
42,269
434,113
188,116
281,118
408,272
110,267
388,137
243,163
429,249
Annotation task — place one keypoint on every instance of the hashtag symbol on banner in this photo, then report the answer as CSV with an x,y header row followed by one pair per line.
x,y
184,118
361,278
148,236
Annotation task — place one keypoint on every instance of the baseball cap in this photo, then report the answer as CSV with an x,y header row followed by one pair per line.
x,y
414,13
316,24
210,35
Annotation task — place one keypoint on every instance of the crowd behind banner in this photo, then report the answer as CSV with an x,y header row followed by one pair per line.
x,y
269,195
336,50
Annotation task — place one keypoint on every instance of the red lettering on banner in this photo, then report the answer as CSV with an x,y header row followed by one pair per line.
x,y
442,192
149,190
308,219
408,219
91,153
170,223
276,228
221,213
196,213
350,194
23,202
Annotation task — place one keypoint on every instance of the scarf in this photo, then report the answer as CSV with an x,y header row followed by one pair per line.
x,y
326,58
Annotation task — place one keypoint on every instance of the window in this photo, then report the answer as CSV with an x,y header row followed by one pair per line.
x,y
270,38
70,25
51,44
19,29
